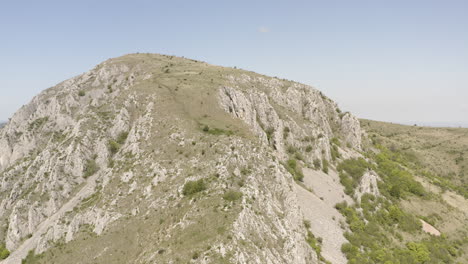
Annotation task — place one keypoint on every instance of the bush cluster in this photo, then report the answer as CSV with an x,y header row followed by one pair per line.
x,y
4,253
114,145
398,181
295,170
90,168
232,195
192,187
350,172
216,131
317,164
370,240
325,165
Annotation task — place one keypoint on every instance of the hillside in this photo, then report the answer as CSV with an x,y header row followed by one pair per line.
x,y
151,158
441,152
437,157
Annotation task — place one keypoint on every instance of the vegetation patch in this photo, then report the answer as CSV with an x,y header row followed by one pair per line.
x,y
32,257
114,145
325,165
192,187
122,137
38,123
317,164
269,133
381,231
4,253
315,243
286,131
90,168
335,141
351,172
295,169
217,131
375,230
232,195
398,182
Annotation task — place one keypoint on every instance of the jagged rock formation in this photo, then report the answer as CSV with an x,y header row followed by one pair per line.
x,y
97,164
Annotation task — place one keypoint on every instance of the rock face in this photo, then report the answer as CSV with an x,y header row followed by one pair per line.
x,y
104,157
368,184
302,117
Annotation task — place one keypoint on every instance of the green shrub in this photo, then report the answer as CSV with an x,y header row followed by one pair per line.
x,y
308,148
245,171
325,166
354,167
350,172
122,137
295,170
38,123
216,131
286,131
419,251
317,164
269,132
335,154
32,257
298,156
292,163
316,244
192,187
398,181
4,253
81,93
335,141
113,146
90,168
232,195
312,241
291,149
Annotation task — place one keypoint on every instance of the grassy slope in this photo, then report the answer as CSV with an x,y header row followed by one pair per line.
x,y
437,157
442,152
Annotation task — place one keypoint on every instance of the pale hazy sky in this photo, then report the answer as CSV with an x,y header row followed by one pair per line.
x,y
400,61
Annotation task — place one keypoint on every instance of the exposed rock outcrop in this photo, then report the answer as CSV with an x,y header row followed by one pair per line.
x,y
106,154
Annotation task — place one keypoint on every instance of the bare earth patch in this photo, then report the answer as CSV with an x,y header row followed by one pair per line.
x,y
428,228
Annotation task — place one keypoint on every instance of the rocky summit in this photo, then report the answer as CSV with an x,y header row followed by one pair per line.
x,y
151,158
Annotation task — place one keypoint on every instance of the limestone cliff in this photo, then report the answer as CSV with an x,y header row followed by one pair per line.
x,y
96,166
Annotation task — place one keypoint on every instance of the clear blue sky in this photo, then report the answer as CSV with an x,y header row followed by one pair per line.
x,y
401,61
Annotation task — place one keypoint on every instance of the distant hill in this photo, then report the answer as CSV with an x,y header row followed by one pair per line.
x,y
2,124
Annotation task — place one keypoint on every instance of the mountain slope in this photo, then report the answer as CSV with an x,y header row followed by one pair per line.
x,y
436,158
158,159
100,161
